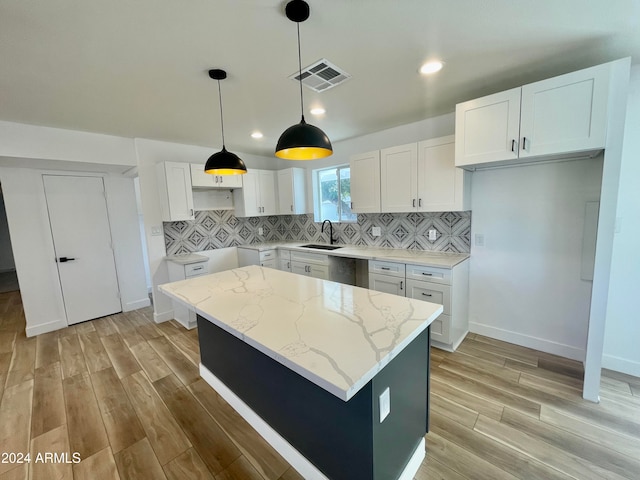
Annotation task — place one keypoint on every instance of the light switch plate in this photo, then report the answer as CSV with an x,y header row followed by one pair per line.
x,y
479,240
156,231
375,231
433,234
385,404
260,231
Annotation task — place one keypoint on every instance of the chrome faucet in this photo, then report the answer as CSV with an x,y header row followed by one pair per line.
x,y
331,239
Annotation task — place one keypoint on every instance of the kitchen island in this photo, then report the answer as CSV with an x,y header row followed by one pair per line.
x,y
313,364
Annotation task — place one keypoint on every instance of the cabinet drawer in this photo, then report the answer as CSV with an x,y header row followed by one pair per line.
x,y
270,263
441,329
387,284
195,269
386,268
431,292
268,255
429,274
309,258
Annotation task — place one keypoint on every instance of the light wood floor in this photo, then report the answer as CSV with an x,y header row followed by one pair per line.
x,y
125,394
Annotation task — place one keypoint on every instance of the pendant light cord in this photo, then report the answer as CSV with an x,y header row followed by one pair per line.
x,y
221,118
300,72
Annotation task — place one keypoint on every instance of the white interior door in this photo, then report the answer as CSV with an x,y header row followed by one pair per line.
x,y
82,240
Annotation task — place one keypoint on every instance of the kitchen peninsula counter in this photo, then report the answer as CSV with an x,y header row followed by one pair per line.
x,y
310,359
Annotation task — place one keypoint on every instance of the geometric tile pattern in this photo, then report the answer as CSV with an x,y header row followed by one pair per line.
x,y
221,228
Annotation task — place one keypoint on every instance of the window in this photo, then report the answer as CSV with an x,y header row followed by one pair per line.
x,y
332,195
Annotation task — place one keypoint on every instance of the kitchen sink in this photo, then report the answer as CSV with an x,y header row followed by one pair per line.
x,y
320,246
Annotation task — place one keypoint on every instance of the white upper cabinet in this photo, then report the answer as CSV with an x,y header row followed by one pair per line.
x,y
257,197
562,116
441,186
398,185
174,188
487,128
365,182
199,179
565,114
422,177
291,191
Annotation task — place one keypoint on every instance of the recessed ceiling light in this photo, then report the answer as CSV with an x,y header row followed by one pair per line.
x,y
318,111
257,135
431,67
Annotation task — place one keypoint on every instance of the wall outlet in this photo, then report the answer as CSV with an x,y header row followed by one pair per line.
x,y
260,231
375,231
385,404
156,231
432,234
479,239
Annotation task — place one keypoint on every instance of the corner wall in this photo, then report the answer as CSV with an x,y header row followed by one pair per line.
x,y
525,284
622,330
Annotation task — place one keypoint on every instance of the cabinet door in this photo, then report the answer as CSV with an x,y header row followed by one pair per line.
x,y
247,199
174,186
365,182
285,264
387,284
267,180
199,178
565,114
299,268
291,191
228,181
319,271
442,187
398,184
487,128
271,263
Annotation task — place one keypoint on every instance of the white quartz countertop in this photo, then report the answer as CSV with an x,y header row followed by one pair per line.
x,y
187,258
415,257
334,335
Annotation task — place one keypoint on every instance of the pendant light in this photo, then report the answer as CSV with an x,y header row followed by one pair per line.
x,y
223,162
302,141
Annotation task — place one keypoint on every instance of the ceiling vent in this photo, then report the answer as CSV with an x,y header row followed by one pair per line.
x,y
321,75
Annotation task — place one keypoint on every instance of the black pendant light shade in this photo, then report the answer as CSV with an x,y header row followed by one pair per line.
x,y
223,162
302,141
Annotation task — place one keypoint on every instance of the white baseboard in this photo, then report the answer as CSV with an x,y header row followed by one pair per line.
x,y
621,365
135,305
284,448
32,331
163,316
528,341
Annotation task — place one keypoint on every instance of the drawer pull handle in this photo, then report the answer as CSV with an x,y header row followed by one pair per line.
x,y
401,284
198,268
427,294
428,274
385,268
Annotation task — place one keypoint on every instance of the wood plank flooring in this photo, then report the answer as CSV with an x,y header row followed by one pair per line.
x,y
125,393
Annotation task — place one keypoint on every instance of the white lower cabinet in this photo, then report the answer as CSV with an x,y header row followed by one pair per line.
x,y
444,286
179,271
310,264
251,256
284,260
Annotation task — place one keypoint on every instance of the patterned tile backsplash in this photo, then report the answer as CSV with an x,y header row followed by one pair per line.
x,y
221,228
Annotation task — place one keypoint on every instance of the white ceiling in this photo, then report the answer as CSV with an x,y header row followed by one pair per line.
x,y
139,68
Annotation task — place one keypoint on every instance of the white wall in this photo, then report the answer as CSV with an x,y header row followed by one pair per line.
x,y
33,249
622,331
18,140
525,284
34,252
151,152
6,253
127,243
